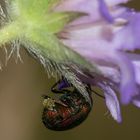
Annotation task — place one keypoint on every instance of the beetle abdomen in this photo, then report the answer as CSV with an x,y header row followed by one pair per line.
x,y
71,110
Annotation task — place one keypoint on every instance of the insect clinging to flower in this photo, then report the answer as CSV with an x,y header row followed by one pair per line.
x,y
67,112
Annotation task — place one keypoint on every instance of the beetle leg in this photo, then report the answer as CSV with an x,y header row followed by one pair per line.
x,y
48,101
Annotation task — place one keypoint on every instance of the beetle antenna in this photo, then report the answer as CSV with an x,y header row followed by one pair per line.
x,y
96,93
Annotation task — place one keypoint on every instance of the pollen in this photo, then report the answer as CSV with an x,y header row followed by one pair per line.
x,y
49,103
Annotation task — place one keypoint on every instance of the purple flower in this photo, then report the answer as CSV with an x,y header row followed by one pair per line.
x,y
108,37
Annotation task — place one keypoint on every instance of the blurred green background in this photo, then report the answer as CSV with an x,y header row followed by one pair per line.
x,y
21,87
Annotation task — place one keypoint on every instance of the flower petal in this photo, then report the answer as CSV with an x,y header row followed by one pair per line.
x,y
115,2
111,101
135,60
136,100
91,9
105,12
136,103
128,82
130,32
111,73
137,71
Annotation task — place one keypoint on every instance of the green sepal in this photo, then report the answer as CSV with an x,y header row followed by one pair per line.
x,y
57,21
35,7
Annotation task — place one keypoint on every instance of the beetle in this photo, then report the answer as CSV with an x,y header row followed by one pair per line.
x,y
67,112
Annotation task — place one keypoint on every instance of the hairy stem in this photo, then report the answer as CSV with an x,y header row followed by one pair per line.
x,y
9,33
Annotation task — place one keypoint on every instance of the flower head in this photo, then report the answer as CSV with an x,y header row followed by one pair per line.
x,y
88,42
108,38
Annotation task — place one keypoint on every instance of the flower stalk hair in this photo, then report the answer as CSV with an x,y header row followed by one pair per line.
x,y
88,42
